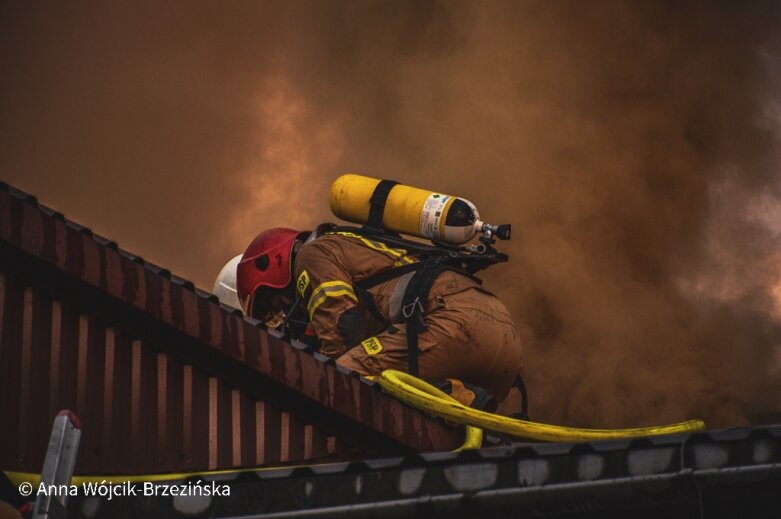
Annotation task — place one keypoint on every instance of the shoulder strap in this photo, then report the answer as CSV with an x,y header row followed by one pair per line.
x,y
387,275
412,308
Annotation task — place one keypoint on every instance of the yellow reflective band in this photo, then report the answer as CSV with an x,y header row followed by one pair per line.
x,y
372,345
383,248
345,233
302,283
329,289
400,255
406,260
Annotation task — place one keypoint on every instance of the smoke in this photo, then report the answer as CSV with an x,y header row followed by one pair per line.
x,y
633,146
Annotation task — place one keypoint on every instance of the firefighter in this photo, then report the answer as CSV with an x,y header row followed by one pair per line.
x,y
467,337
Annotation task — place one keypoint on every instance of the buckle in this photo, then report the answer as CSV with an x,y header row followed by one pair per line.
x,y
408,310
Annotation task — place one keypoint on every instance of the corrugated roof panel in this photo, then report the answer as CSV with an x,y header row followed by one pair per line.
x,y
151,362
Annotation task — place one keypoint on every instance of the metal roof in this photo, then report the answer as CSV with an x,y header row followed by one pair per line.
x,y
163,376
726,473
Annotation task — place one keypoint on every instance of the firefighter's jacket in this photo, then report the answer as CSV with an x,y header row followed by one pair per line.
x,y
469,335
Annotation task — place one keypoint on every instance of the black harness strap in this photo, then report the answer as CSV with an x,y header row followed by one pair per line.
x,y
368,301
415,296
412,308
387,275
433,262
362,287
524,397
377,201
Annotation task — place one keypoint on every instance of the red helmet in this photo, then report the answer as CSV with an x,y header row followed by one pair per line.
x,y
265,263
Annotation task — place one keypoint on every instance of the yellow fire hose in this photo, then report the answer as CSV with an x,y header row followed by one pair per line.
x,y
424,396
417,393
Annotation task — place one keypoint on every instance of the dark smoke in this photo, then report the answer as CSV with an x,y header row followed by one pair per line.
x,y
633,146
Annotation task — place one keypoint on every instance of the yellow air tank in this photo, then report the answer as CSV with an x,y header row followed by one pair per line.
x,y
413,211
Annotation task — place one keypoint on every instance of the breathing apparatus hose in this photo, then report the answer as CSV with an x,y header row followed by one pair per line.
x,y
422,395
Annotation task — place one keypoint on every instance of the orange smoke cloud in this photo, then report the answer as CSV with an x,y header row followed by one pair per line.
x,y
633,146
282,182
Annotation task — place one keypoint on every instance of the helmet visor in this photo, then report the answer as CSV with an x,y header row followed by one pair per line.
x,y
269,306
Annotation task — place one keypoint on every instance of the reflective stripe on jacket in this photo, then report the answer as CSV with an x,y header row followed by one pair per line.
x,y
327,268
